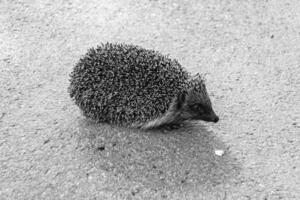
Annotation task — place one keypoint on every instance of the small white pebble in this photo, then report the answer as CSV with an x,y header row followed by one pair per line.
x,y
219,152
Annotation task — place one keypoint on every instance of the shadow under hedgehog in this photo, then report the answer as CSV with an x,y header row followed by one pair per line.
x,y
131,86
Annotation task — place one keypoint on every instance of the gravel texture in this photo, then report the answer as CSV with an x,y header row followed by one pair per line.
x,y
250,53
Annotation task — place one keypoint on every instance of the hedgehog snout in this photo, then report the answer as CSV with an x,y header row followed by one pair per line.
x,y
216,119
213,117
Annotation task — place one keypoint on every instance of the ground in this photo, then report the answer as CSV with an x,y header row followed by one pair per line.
x,y
249,52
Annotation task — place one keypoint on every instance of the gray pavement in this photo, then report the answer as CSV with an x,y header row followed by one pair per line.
x,y
250,53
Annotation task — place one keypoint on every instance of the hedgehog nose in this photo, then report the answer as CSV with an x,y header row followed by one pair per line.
x,y
216,119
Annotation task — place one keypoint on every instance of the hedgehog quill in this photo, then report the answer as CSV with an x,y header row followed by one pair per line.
x,y
131,86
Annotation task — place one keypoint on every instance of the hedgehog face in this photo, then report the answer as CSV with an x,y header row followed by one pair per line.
x,y
196,104
199,107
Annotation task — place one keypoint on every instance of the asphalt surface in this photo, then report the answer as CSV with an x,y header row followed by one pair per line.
x,y
249,52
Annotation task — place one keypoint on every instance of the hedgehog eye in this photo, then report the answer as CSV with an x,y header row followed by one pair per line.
x,y
196,107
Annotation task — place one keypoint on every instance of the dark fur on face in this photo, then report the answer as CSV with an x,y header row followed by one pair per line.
x,y
190,104
195,103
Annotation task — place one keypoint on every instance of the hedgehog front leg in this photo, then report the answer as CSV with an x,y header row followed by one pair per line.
x,y
174,126
169,119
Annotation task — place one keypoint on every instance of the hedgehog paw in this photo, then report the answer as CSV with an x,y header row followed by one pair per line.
x,y
173,126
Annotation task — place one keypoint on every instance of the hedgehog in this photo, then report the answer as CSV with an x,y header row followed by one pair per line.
x,y
127,85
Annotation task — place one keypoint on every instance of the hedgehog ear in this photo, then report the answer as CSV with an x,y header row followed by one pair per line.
x,y
180,100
